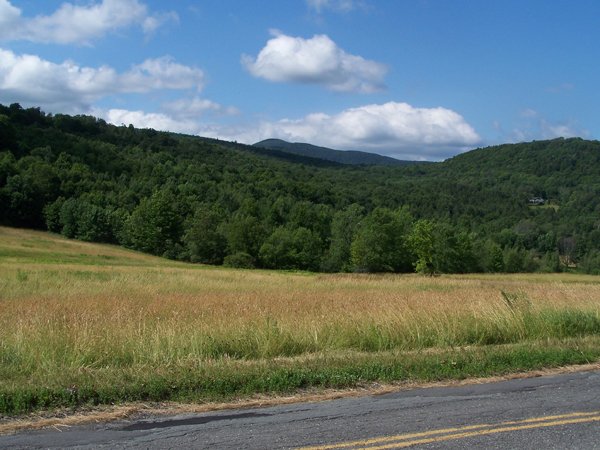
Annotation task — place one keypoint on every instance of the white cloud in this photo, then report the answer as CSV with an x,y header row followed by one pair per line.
x,y
317,60
532,125
74,24
179,116
564,129
563,87
336,5
141,119
528,113
395,129
152,23
8,16
196,106
161,73
68,87
543,129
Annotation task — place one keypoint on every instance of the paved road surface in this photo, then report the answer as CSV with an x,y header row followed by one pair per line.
x,y
557,412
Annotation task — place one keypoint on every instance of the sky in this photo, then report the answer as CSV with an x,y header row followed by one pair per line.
x,y
411,79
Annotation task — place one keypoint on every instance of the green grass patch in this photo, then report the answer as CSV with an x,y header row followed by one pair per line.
x,y
228,379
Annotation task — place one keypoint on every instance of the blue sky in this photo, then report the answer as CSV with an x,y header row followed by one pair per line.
x,y
413,79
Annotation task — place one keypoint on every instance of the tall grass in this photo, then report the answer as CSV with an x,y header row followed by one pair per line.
x,y
130,325
137,316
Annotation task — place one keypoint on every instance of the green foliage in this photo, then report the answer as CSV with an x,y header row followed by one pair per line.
x,y
155,225
344,226
551,263
519,260
422,243
239,260
85,221
87,179
291,248
244,234
381,243
454,251
8,135
52,215
492,257
203,240
591,263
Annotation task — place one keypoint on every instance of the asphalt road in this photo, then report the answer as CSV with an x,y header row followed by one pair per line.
x,y
556,412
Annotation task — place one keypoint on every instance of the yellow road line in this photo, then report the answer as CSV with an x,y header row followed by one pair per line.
x,y
485,432
463,432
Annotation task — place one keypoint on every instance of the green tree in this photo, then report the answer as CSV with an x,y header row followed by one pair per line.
x,y
291,248
239,260
454,250
52,215
492,257
551,262
344,226
8,135
381,243
315,217
422,243
79,219
244,234
155,226
203,240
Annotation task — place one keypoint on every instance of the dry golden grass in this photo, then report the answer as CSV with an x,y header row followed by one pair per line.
x,y
70,308
178,312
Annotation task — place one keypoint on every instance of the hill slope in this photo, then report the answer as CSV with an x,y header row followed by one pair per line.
x,y
344,157
22,246
203,200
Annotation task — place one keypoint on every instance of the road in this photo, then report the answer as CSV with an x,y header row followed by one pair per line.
x,y
554,412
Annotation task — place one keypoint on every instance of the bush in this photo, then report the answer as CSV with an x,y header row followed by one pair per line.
x,y
239,260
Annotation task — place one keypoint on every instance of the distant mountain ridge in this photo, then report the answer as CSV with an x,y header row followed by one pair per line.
x,y
350,157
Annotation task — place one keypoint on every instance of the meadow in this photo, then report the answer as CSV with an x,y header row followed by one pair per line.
x,y
84,324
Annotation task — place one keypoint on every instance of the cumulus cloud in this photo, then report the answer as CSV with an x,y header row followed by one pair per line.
x,y
9,15
394,129
317,60
184,115
78,24
69,87
141,119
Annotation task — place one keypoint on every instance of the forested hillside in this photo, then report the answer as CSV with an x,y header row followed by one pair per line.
x,y
214,202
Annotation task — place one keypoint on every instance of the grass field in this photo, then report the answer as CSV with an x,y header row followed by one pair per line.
x,y
88,324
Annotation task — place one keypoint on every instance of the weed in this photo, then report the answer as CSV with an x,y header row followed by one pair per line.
x,y
22,276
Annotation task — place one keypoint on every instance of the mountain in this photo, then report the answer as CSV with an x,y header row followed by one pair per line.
x,y
350,157
274,153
